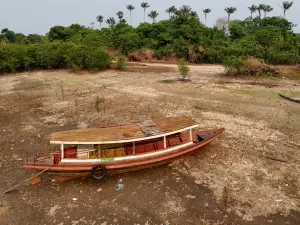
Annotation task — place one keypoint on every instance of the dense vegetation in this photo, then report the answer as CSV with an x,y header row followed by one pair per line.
x,y
270,39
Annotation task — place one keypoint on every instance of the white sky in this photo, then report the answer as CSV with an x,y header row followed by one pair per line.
x,y
38,16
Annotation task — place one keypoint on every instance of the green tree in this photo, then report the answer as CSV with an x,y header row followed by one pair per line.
x,y
267,9
185,9
111,21
153,15
169,12
130,8
100,19
173,10
286,6
206,11
260,8
59,33
10,35
21,39
230,10
253,9
145,5
120,15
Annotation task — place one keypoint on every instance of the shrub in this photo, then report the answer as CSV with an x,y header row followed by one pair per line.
x,y
76,57
233,64
183,69
250,66
97,60
121,63
17,58
47,56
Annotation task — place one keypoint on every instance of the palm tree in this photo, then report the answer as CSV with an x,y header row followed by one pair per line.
x,y
193,14
169,12
173,9
111,21
100,19
185,9
253,9
230,10
267,8
153,15
260,8
145,5
206,11
123,21
120,15
92,24
130,8
286,5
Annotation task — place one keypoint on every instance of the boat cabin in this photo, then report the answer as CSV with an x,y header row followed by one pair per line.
x,y
134,140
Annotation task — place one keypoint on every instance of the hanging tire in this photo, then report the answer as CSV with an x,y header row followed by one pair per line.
x,y
98,169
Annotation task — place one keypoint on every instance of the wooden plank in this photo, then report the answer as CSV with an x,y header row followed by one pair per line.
x,y
119,134
30,178
149,128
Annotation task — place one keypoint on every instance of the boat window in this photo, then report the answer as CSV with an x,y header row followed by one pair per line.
x,y
85,147
70,146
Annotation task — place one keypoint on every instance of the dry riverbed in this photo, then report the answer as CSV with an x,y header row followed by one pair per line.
x,y
250,175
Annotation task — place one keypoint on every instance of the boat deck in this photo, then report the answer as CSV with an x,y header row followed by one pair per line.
x,y
129,132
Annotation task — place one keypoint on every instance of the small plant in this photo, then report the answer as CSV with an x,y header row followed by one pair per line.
x,y
168,81
183,69
121,63
98,102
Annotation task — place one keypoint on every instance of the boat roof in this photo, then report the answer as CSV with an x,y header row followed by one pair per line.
x,y
131,132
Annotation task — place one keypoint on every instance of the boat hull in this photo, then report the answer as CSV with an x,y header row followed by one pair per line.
x,y
77,169
289,99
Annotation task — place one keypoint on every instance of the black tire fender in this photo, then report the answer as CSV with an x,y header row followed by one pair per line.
x,y
98,168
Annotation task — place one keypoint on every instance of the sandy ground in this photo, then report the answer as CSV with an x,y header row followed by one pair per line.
x,y
250,175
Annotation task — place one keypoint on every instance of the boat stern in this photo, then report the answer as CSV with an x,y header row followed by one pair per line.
x,y
41,161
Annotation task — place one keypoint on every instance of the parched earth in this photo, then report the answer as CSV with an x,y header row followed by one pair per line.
x,y
249,175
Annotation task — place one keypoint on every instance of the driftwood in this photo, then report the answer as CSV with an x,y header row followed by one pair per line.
x,y
275,159
30,178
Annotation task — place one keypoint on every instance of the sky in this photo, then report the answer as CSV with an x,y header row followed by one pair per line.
x,y
38,16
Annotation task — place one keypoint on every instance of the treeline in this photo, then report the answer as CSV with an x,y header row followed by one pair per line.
x,y
184,36
52,55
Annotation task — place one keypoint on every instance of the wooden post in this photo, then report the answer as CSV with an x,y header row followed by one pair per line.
x,y
62,150
133,148
99,151
191,135
165,142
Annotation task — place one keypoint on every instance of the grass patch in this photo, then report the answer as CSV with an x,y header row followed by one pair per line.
x,y
25,84
257,93
168,81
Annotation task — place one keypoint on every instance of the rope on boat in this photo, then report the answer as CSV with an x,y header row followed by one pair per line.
x,y
30,178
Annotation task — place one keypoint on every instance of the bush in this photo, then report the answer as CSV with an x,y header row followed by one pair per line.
x,y
18,58
121,63
97,60
183,69
250,66
233,64
47,57
11,58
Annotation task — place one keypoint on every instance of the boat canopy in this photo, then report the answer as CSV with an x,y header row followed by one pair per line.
x,y
131,132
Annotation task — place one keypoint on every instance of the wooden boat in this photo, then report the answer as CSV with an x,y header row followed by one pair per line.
x,y
118,149
297,100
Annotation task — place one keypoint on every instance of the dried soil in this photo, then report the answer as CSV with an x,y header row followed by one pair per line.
x,y
250,175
